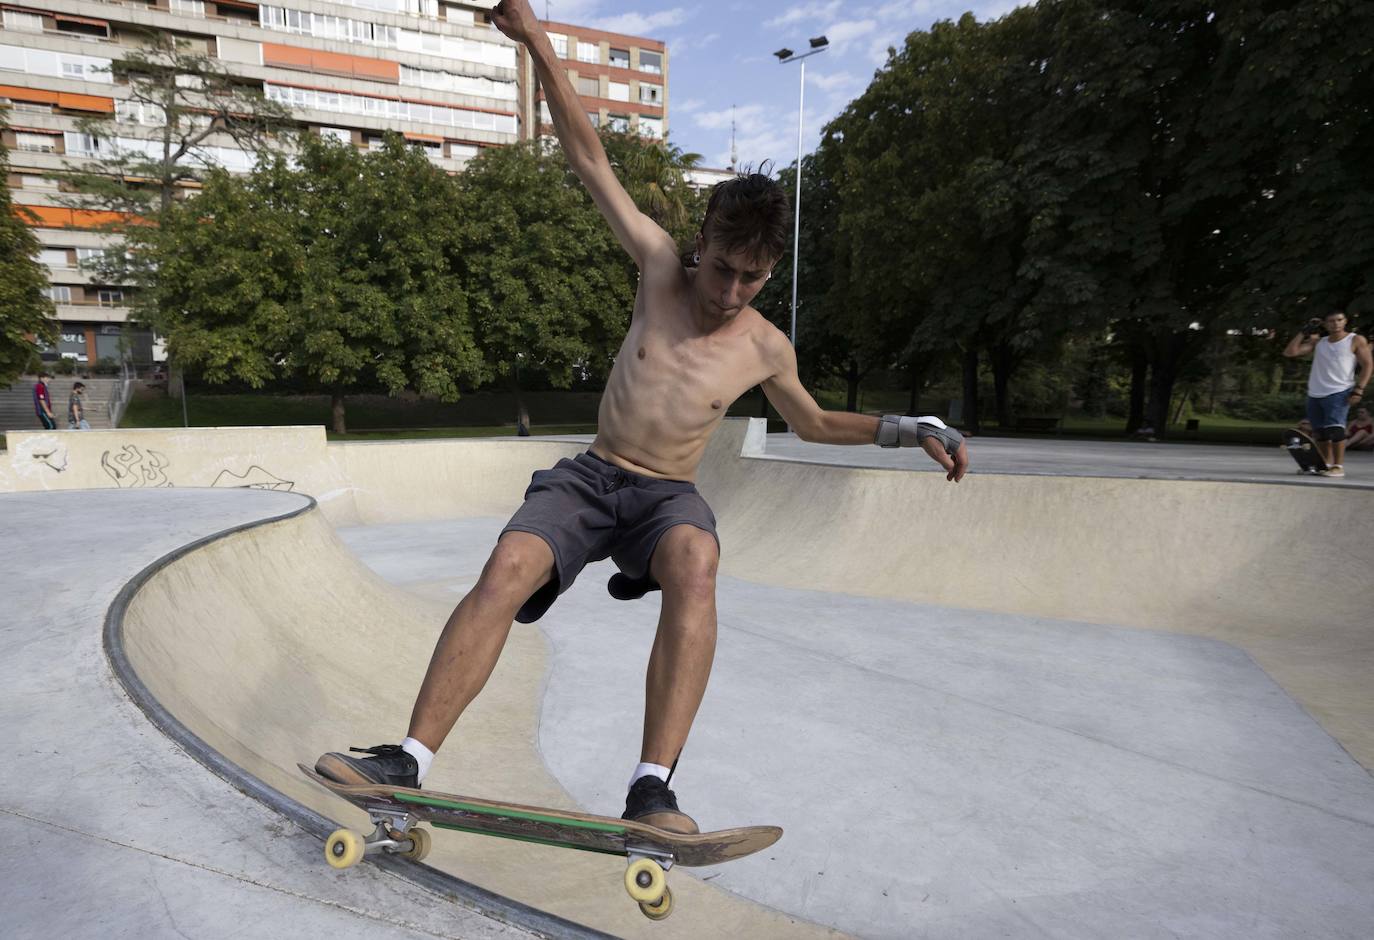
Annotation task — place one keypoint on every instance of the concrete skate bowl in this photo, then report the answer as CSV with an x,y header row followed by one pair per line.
x,y
274,643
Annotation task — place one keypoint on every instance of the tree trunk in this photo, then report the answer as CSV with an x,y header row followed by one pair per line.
x,y
337,408
918,378
1166,358
1140,367
1003,362
971,388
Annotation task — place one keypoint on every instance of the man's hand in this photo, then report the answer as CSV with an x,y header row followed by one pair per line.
x,y
515,19
955,466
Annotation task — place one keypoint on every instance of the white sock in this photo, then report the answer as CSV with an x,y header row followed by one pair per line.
x,y
650,770
423,756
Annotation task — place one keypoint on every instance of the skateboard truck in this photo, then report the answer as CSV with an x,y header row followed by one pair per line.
x,y
397,833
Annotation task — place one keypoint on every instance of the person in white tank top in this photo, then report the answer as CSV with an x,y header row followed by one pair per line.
x,y
1332,385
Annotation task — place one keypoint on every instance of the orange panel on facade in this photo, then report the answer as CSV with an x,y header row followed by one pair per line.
x,y
59,217
60,98
335,63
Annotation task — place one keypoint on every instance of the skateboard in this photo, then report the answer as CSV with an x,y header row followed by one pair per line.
x,y
396,812
1304,450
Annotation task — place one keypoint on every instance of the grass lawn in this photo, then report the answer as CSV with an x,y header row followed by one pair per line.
x,y
492,414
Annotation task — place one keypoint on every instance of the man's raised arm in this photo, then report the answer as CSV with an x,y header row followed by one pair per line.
x,y
637,233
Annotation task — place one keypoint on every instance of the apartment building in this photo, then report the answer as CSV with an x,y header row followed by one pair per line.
x,y
621,80
432,70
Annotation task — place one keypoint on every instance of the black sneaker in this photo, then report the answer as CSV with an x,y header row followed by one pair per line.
x,y
652,803
388,765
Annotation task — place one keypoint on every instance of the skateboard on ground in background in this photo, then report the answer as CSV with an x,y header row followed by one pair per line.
x,y
1305,451
397,811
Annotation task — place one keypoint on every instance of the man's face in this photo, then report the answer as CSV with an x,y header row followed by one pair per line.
x,y
728,281
1335,322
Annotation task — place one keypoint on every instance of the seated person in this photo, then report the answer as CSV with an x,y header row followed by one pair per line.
x,y
1359,435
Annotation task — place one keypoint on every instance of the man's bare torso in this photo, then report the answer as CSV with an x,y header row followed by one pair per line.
x,y
674,378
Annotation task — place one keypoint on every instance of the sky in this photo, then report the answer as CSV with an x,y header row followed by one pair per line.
x,y
720,53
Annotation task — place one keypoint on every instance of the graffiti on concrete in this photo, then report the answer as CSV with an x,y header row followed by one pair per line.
x,y
255,478
47,453
132,467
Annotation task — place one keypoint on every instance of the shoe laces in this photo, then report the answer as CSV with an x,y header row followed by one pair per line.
x,y
380,750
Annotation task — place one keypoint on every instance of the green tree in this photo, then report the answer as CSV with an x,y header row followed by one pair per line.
x,y
339,273
653,173
548,286
25,311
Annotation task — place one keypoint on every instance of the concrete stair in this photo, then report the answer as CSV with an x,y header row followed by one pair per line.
x,y
16,402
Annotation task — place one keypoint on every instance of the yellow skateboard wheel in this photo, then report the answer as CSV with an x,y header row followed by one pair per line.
x,y
419,840
662,909
645,881
344,848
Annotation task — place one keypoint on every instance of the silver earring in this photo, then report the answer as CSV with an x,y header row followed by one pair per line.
x,y
696,257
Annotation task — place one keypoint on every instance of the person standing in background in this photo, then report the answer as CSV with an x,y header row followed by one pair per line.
x,y
42,402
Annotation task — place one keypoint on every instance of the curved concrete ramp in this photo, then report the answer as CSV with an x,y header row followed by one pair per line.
x,y
274,644
1073,706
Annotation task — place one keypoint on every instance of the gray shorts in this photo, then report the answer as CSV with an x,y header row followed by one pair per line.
x,y
587,509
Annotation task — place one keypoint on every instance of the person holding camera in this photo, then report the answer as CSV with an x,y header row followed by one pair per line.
x,y
1332,387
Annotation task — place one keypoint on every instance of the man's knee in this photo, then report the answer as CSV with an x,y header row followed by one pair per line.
x,y
520,564
685,562
1334,433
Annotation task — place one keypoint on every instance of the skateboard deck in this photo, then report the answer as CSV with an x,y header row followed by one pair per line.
x,y
651,852
1304,450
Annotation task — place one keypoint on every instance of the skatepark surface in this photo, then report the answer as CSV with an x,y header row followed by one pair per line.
x,y
1025,704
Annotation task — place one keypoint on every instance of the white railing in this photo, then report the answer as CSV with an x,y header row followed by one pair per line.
x,y
119,397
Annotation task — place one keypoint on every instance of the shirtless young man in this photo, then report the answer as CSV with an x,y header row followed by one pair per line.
x,y
693,347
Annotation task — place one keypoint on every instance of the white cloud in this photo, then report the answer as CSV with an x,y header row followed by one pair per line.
x,y
807,12
716,120
846,31
688,106
831,82
639,24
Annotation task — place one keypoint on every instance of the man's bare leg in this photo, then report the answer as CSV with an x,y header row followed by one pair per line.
x,y
475,634
684,564
463,660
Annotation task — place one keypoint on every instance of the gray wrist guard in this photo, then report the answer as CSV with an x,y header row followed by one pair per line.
x,y
906,431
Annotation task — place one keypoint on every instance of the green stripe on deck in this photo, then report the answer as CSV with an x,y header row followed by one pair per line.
x,y
505,835
511,813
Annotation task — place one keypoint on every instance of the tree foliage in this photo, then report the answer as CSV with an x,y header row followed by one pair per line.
x,y
25,310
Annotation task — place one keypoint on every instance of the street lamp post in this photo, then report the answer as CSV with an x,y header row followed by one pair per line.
x,y
785,56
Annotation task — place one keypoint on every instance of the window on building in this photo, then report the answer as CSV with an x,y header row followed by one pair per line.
x,y
38,182
618,91
620,58
23,22
650,94
35,143
71,69
59,295
189,7
88,257
55,257
31,107
82,145
588,52
560,44
650,127
337,133
461,151
594,117
589,85
618,122
109,297
544,116
651,62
